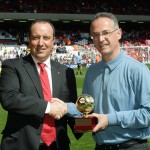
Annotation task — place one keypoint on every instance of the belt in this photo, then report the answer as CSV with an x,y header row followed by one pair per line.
x,y
119,146
53,146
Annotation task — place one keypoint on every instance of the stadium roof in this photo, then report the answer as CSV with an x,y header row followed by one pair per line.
x,y
67,17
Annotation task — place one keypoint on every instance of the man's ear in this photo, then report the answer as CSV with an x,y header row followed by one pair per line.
x,y
119,33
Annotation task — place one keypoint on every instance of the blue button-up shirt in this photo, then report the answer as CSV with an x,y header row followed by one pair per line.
x,y
121,89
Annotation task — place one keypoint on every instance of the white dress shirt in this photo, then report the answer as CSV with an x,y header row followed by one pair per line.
x,y
48,69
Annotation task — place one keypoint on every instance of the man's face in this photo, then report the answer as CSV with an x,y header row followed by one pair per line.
x,y
41,40
105,36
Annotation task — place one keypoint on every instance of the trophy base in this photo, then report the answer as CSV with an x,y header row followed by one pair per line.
x,y
85,124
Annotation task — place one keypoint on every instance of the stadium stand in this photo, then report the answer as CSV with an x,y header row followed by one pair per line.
x,y
135,35
132,7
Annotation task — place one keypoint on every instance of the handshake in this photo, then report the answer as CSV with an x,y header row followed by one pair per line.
x,y
57,108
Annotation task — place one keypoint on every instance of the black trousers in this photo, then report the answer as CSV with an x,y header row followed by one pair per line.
x,y
130,145
53,146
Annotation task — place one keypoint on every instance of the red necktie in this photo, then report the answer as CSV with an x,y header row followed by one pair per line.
x,y
48,134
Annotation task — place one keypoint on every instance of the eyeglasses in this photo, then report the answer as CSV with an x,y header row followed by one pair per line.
x,y
105,34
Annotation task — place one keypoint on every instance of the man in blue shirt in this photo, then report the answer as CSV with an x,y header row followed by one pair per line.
x,y
120,86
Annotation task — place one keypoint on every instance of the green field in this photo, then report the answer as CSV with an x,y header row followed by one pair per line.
x,y
85,142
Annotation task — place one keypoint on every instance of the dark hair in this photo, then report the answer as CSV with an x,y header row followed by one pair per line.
x,y
107,15
42,21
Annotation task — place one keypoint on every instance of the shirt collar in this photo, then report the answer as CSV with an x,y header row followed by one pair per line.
x,y
47,62
115,62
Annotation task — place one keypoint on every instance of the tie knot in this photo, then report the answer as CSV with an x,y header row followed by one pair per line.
x,y
42,65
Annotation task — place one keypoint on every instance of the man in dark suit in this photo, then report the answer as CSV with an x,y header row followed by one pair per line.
x,y
22,96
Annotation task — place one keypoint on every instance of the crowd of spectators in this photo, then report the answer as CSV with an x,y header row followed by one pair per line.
x,y
11,51
88,53
118,7
75,38
68,37
130,38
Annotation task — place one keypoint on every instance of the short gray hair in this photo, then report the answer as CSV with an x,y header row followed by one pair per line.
x,y
107,15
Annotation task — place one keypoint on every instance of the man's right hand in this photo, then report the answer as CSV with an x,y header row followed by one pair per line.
x,y
57,108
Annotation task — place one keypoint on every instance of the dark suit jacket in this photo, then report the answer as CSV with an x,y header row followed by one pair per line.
x,y
21,95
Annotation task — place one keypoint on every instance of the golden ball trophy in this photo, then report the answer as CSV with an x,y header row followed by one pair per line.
x,y
85,104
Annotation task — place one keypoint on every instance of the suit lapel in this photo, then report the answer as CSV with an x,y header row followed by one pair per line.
x,y
33,73
56,80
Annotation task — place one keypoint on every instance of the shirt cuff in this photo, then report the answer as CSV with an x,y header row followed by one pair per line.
x,y
112,119
48,108
72,111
